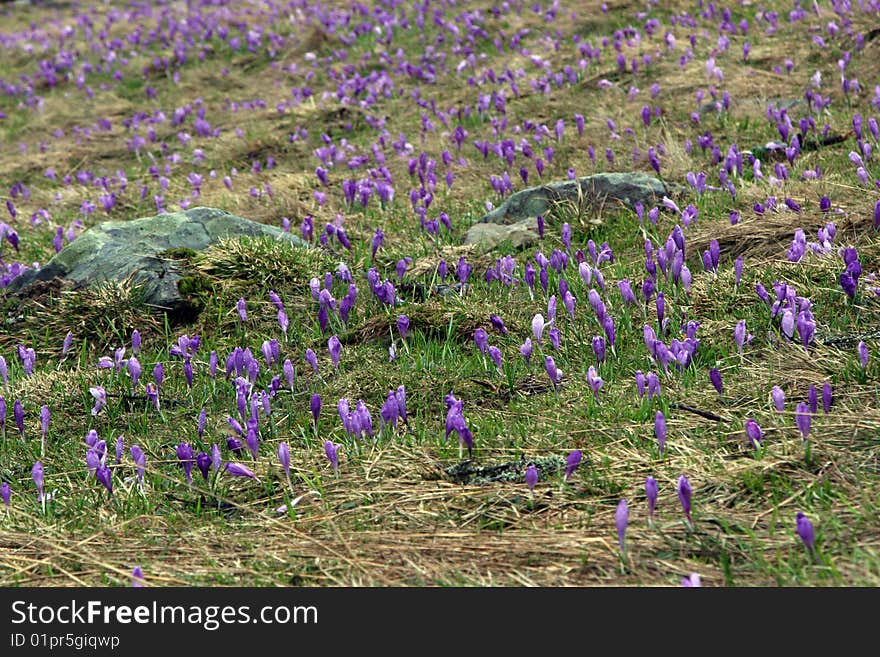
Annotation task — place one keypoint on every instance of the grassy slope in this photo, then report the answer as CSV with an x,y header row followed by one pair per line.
x,y
391,517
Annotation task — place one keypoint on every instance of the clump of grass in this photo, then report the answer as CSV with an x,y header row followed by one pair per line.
x,y
103,314
274,262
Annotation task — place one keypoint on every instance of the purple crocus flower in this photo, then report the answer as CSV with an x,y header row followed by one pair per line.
x,y
495,355
331,450
100,396
572,463
203,463
312,359
599,348
334,346
691,581
553,372
531,477
284,458
481,339
739,335
37,476
315,406
802,418
120,449
140,461
526,350
403,326
185,456
651,494
778,397
239,470
826,397
137,577
621,520
715,379
863,354
753,433
594,381
134,371
5,493
684,496
813,399
44,424
68,343
216,457
105,477
202,422
241,307
805,530
498,323
660,430
18,416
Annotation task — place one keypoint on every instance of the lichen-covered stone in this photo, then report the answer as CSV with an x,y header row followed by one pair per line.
x,y
145,251
627,188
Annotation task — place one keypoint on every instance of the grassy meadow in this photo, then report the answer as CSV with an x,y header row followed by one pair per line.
x,y
381,131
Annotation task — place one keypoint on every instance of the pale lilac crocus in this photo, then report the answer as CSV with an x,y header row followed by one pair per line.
x,y
802,418
526,350
691,581
553,372
778,397
621,520
68,343
241,307
331,450
140,461
538,326
239,470
100,396
739,335
594,381
37,476
44,426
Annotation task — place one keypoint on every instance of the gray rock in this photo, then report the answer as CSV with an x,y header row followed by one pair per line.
x,y
488,236
117,250
626,188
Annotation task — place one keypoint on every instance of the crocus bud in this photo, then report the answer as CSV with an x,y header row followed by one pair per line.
x,y
572,463
651,494
660,430
531,477
805,530
684,496
621,519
